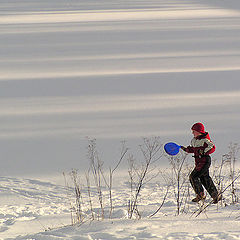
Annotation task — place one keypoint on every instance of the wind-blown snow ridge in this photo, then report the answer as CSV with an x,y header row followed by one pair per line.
x,y
30,75
117,15
91,104
62,107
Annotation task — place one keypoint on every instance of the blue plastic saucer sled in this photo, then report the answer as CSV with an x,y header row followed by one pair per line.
x,y
171,148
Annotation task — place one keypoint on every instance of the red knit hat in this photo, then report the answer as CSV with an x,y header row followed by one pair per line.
x,y
199,127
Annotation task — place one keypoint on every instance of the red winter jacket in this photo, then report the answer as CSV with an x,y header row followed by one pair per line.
x,y
201,146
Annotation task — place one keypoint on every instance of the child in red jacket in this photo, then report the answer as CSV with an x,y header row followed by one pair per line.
x,y
201,146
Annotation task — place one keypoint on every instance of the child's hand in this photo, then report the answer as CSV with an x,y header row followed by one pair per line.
x,y
183,148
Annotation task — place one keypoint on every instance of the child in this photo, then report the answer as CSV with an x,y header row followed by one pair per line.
x,y
201,146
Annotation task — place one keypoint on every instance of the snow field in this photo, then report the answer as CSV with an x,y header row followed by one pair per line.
x,y
25,200
111,70
46,206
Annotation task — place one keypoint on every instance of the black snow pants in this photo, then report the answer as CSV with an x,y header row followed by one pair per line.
x,y
201,178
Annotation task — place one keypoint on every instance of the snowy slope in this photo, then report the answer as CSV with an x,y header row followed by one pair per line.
x,y
29,206
43,207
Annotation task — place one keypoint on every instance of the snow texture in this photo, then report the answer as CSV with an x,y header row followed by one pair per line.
x,y
110,70
37,206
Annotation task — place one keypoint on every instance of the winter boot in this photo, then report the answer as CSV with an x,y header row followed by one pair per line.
x,y
199,197
217,198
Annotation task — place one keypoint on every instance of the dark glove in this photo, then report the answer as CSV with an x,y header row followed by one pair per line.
x,y
183,148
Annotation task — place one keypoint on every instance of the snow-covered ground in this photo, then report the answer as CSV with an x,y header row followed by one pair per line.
x,y
30,206
111,70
